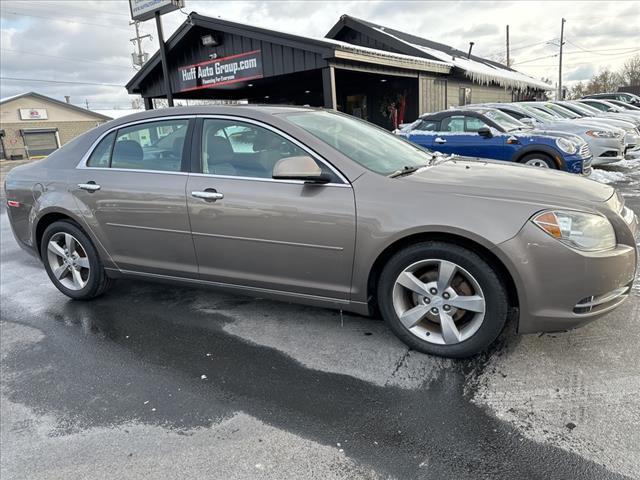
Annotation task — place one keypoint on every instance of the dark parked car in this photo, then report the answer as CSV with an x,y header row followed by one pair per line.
x,y
490,133
620,96
321,208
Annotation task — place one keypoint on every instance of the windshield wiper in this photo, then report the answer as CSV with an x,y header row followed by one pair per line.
x,y
406,170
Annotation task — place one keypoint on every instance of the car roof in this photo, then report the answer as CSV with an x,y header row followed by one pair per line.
x,y
248,110
455,111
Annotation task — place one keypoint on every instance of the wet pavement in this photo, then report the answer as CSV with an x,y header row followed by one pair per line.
x,y
161,381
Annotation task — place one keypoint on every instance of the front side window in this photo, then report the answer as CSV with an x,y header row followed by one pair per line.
x,y
150,146
474,124
240,149
372,147
453,124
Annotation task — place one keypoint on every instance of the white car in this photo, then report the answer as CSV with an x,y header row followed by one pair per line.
x,y
606,143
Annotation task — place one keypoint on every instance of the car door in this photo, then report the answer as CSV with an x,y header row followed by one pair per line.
x,y
253,231
484,146
131,190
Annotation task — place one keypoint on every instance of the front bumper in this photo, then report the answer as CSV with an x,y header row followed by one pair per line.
x,y
606,150
560,288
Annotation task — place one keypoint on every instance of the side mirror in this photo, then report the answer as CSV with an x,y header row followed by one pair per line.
x,y
299,168
485,132
528,121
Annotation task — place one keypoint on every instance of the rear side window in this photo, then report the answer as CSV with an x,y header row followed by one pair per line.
x,y
428,126
150,146
102,153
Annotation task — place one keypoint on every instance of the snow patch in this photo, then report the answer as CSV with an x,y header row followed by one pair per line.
x,y
606,176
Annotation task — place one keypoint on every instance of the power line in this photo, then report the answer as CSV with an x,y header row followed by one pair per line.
x,y
595,52
65,58
56,6
60,81
68,20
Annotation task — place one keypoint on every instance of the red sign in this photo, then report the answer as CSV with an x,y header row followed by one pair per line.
x,y
221,71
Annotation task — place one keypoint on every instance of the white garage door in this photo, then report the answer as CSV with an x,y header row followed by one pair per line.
x,y
40,142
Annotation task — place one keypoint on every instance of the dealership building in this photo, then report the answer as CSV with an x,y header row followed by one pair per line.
x,y
373,72
34,125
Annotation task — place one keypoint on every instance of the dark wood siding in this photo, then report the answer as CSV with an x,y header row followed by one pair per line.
x,y
277,59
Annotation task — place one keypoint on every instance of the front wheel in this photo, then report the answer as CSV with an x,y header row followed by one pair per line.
x,y
538,160
442,299
72,262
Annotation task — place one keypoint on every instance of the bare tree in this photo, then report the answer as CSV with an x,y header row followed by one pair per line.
x,y
604,81
630,71
579,90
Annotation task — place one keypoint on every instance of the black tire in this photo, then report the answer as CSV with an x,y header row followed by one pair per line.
x,y
542,157
495,294
97,281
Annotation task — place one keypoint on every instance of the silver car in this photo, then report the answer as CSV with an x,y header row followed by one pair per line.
x,y
581,113
606,143
317,207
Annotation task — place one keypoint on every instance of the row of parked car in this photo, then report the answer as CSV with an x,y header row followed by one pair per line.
x,y
566,135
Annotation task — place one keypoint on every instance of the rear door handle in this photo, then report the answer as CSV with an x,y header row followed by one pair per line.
x,y
440,140
89,187
208,195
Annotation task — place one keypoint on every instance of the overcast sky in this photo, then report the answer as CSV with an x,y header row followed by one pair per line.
x,y
88,41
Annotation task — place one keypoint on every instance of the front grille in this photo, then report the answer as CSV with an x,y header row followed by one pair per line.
x,y
584,151
610,153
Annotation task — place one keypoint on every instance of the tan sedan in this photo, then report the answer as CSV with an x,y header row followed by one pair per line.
x,y
317,207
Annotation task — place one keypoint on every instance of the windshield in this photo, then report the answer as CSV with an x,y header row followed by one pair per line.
x,y
562,111
538,114
504,121
624,106
370,146
587,110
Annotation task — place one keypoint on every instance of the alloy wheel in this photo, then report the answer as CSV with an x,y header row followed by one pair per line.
x,y
537,162
68,261
439,301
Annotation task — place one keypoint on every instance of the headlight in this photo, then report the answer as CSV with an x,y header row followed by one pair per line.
x,y
602,134
566,146
627,215
580,230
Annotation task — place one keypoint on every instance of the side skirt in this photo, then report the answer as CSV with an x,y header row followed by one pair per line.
x,y
313,300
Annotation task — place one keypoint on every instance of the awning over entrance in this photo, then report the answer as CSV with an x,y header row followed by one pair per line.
x,y
210,58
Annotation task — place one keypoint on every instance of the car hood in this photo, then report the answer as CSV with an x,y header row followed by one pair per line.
x,y
495,179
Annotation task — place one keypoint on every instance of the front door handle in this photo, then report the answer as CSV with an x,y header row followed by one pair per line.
x,y
89,186
440,140
208,195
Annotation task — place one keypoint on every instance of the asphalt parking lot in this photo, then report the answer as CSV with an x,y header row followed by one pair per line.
x,y
161,381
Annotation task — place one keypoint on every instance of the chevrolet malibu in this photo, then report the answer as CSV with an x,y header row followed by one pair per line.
x,y
320,208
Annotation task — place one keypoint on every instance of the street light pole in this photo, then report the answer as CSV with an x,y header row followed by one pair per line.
x,y
163,56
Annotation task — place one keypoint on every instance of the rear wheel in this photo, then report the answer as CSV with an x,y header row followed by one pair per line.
x,y
538,160
442,299
72,262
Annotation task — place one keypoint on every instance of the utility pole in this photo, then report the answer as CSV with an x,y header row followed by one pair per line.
x,y
508,57
139,56
559,96
86,102
163,56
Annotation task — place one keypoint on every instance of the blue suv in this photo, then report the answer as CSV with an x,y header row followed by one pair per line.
x,y
490,133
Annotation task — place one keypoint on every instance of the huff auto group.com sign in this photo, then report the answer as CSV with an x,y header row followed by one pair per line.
x,y
221,71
